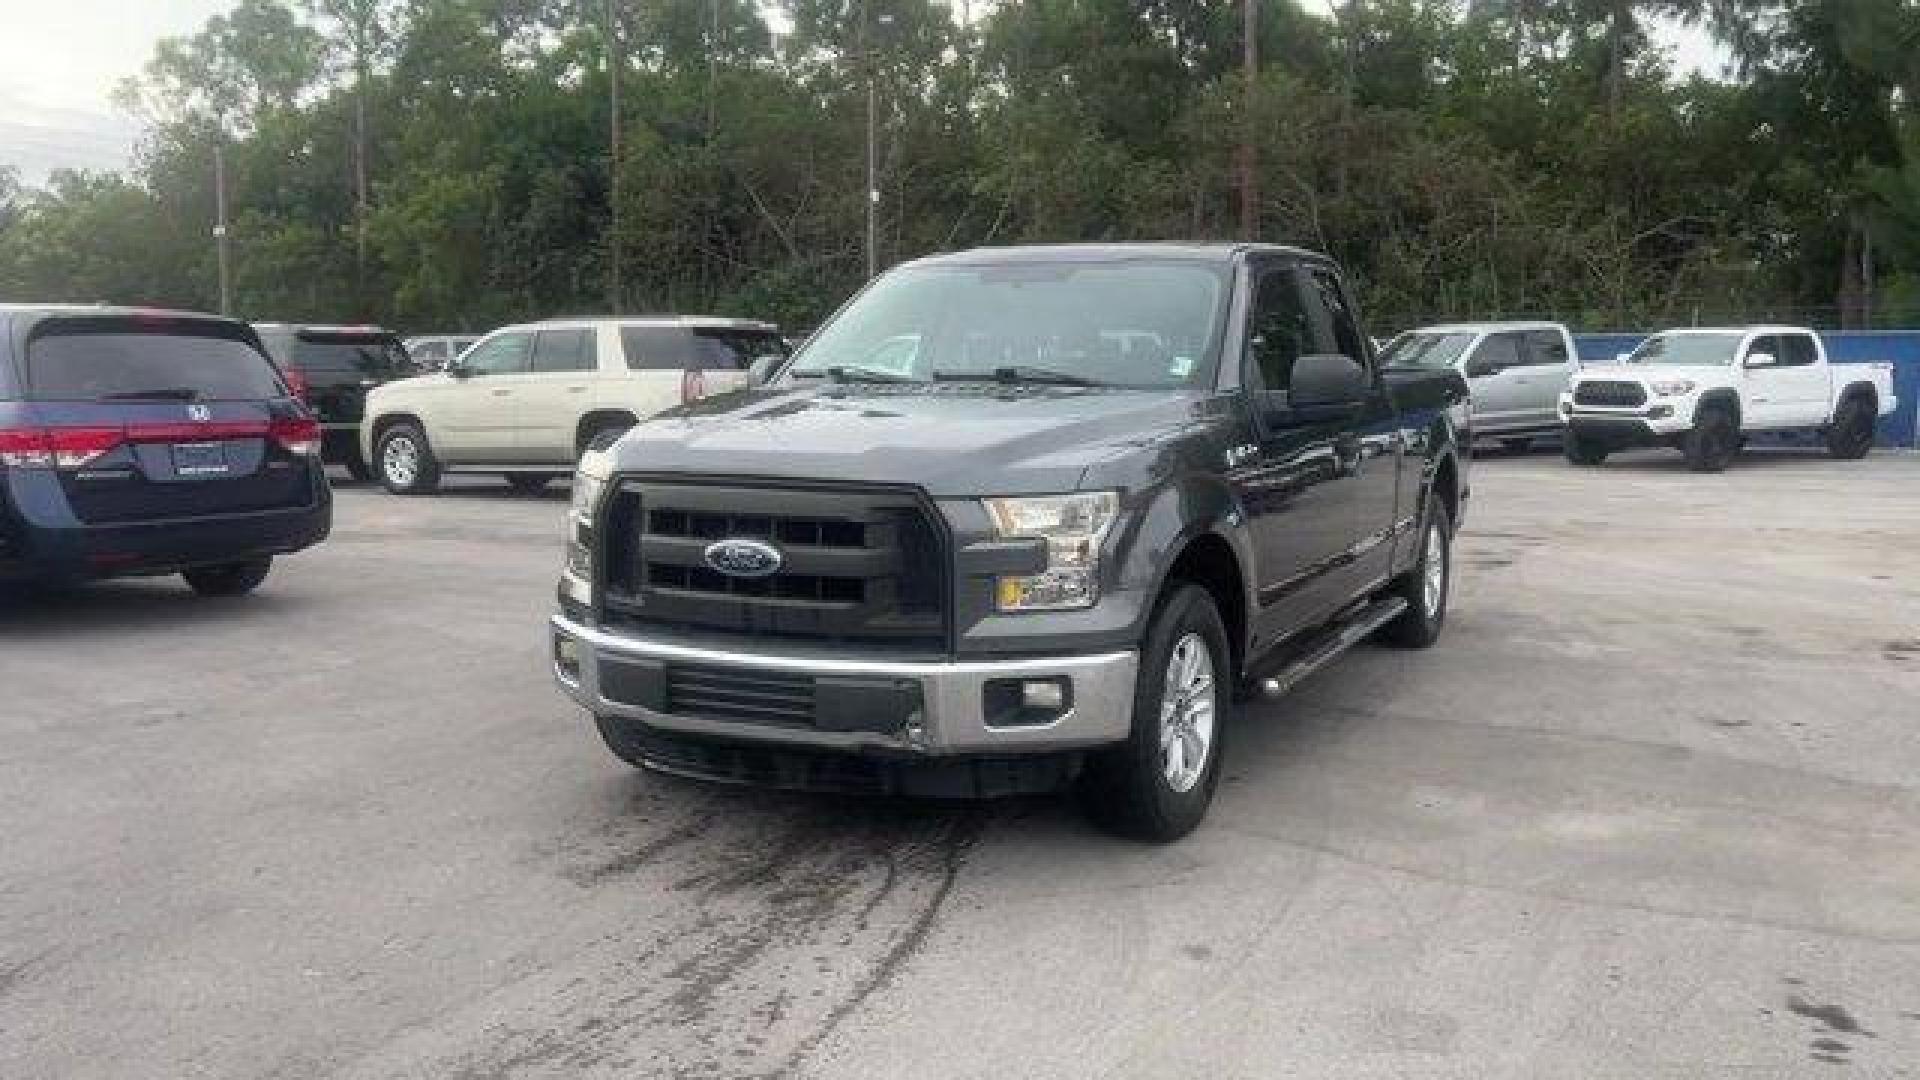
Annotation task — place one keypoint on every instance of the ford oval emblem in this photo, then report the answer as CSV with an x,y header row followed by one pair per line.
x,y
744,558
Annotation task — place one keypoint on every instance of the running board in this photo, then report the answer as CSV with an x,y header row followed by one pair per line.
x,y
1335,641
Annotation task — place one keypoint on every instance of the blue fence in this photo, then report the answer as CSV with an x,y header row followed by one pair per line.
x,y
1901,348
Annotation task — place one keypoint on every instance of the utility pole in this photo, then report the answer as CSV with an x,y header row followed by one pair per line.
x,y
613,161
1249,196
220,221
873,152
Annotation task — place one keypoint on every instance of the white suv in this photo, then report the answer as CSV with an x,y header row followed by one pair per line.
x,y
525,401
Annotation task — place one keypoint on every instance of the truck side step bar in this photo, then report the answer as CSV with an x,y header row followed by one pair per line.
x,y
1297,664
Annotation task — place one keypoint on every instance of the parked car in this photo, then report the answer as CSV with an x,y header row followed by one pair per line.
x,y
1048,547
1703,391
333,367
1516,371
141,442
525,401
433,352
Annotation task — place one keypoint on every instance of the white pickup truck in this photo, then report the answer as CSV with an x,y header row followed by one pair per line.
x,y
1703,391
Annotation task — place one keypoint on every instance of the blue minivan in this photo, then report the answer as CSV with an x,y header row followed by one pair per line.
x,y
143,442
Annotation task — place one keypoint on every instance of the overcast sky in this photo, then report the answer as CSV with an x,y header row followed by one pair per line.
x,y
60,59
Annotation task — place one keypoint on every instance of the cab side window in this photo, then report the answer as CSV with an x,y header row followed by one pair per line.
x,y
502,355
1277,331
1333,329
1796,350
1497,353
1767,345
1546,348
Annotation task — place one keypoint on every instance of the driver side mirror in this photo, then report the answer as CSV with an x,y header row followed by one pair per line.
x,y
763,367
1323,381
1759,359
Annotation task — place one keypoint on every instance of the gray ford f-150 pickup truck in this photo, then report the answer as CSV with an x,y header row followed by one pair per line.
x,y
1015,518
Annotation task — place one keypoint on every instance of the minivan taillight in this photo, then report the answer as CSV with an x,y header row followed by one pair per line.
x,y
56,448
300,435
297,384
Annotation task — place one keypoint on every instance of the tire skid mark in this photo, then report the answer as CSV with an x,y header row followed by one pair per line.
x,y
732,932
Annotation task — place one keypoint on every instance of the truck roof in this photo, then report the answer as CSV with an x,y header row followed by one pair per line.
x,y
324,328
718,321
1095,253
1488,327
1754,328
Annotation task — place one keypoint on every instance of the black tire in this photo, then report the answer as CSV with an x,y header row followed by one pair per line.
x,y
619,739
423,478
1517,445
231,579
1420,624
529,482
1127,788
1851,436
1712,442
357,467
1584,452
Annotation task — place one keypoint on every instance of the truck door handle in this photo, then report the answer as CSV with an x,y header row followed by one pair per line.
x,y
576,389
502,393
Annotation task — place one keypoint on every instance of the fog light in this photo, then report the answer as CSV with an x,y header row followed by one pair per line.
x,y
1046,695
1010,703
566,658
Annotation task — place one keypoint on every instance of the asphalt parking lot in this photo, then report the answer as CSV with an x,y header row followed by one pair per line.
x,y
1650,809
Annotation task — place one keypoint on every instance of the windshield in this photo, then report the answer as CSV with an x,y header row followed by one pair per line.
x,y
358,353
1697,350
1423,350
1141,323
109,359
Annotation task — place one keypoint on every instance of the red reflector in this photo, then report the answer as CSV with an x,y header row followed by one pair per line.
x,y
297,383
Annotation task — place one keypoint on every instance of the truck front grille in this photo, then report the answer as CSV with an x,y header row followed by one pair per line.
x,y
1610,395
858,564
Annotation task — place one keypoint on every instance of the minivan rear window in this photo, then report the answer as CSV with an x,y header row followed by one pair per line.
x,y
310,350
109,359
697,348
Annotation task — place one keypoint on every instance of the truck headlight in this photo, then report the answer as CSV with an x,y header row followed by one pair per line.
x,y
1671,387
586,498
1073,526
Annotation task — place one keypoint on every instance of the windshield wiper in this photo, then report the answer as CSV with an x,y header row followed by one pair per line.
x,y
845,373
163,393
1017,373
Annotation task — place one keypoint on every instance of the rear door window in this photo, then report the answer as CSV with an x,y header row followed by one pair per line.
x,y
340,353
697,348
569,349
1499,352
121,359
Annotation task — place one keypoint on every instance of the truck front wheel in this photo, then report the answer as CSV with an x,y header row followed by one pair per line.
x,y
1712,442
1425,587
1585,452
1157,785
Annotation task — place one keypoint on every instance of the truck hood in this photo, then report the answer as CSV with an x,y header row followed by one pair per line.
x,y
955,440
1704,374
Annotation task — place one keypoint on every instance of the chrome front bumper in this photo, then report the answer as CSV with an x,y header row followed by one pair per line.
x,y
951,718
